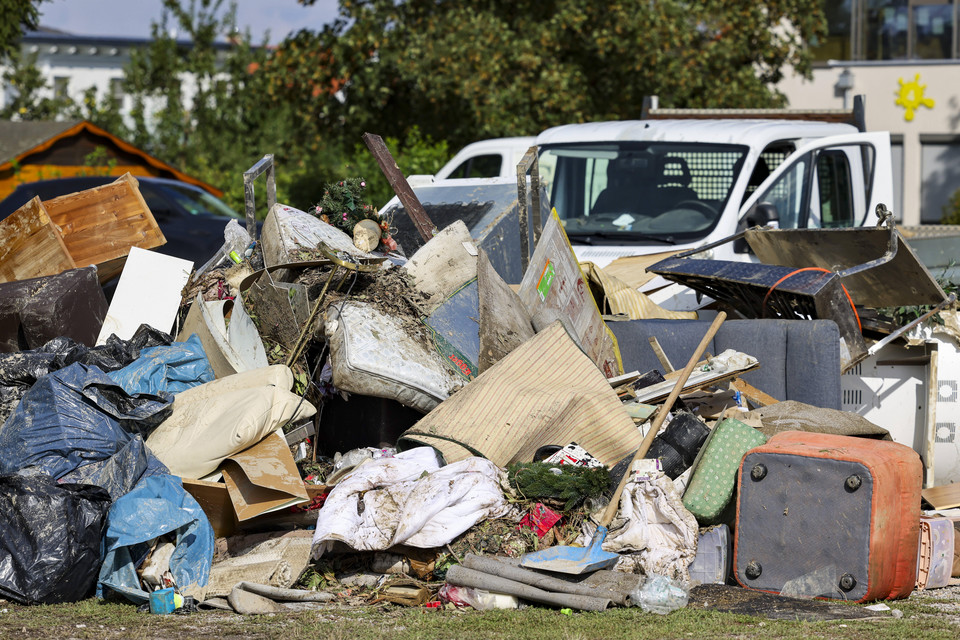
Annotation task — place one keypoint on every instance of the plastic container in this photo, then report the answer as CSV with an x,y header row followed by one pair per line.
x,y
163,601
714,556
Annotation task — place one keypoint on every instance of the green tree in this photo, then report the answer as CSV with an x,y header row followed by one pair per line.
x,y
463,71
16,16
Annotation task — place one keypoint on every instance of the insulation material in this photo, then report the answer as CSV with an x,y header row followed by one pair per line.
x,y
619,298
373,355
270,559
543,393
217,419
554,288
409,499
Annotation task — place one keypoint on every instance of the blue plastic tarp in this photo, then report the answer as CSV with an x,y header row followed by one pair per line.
x,y
159,505
171,368
74,417
121,472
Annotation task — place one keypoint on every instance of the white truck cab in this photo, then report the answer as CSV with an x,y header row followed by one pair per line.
x,y
649,186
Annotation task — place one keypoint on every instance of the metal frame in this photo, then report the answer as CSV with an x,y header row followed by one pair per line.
x,y
265,165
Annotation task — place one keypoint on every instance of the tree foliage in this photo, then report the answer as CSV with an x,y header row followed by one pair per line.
x,y
465,71
16,16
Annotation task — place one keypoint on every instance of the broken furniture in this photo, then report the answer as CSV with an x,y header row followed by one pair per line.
x,y
800,360
96,226
829,516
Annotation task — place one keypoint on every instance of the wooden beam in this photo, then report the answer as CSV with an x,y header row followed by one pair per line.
x,y
661,356
400,186
753,394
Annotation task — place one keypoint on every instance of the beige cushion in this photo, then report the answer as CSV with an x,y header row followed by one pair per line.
x,y
217,419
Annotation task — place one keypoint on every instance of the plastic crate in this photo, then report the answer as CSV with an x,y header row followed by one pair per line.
x,y
714,556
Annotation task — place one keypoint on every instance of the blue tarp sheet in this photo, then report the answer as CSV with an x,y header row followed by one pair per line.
x,y
75,417
171,368
159,505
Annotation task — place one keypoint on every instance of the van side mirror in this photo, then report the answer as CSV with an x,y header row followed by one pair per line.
x,y
761,215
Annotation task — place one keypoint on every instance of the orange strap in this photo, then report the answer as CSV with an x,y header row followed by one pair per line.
x,y
793,273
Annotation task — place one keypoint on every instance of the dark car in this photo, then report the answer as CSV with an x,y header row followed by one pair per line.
x,y
191,219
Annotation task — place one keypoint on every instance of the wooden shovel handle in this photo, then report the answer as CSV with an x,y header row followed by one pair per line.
x,y
611,509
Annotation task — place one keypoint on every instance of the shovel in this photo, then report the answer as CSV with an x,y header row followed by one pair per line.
x,y
577,560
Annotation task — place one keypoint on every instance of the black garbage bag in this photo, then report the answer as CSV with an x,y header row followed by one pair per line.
x,y
19,371
49,539
678,445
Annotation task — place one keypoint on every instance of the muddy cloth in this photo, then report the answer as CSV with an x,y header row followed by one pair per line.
x,y
157,506
19,371
74,417
49,539
409,499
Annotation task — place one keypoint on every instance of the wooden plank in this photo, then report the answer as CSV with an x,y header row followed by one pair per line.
x,y
31,245
400,185
945,496
103,223
661,356
753,394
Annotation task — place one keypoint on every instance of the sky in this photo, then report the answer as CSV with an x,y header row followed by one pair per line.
x,y
132,18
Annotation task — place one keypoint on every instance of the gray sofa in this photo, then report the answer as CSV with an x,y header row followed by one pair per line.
x,y
799,359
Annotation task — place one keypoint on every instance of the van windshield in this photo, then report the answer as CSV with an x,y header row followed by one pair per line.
x,y
615,193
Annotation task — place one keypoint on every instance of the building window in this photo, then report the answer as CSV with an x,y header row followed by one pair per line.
x,y
116,91
60,84
889,30
939,162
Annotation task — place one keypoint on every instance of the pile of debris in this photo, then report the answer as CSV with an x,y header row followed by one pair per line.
x,y
301,421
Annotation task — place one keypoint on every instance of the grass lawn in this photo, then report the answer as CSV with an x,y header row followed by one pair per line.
x,y
92,619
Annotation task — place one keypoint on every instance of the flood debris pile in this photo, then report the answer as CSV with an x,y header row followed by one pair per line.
x,y
309,422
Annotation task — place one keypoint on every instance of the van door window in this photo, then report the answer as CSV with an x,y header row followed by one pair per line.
x,y
788,194
478,167
835,190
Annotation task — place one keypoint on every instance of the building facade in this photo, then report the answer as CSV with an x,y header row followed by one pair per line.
x,y
904,57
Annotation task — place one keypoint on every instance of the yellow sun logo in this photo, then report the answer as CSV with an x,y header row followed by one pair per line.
x,y
910,97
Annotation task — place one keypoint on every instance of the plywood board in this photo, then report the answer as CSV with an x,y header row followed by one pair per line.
x,y
943,497
103,223
149,292
31,245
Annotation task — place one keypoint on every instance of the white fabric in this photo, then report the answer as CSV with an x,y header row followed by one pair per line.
x,y
656,524
409,499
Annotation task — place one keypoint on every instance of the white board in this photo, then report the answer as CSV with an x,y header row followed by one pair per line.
x,y
149,292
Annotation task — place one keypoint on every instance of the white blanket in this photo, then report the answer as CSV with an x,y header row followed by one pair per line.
x,y
409,499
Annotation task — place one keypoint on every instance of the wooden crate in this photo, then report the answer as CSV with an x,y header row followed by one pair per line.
x,y
99,225
31,245
95,226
